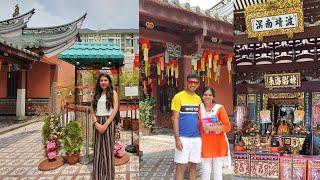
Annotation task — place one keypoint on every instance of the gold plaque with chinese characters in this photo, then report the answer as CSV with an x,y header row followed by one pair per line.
x,y
282,80
274,17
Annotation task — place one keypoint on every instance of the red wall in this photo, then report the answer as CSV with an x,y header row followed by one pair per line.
x,y
65,74
3,84
38,81
224,90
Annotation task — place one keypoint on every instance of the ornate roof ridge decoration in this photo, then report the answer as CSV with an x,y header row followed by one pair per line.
x,y
274,8
11,27
53,29
223,10
186,6
27,14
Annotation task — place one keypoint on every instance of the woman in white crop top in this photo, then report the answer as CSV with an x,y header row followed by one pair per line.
x,y
104,107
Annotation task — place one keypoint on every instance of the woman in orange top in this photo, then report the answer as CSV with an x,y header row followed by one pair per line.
x,y
214,124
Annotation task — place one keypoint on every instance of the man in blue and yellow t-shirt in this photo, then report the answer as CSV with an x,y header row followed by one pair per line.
x,y
184,108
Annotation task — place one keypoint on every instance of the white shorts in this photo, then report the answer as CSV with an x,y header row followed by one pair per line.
x,y
191,151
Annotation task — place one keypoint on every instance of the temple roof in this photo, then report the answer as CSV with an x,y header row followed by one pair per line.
x,y
46,41
17,47
194,9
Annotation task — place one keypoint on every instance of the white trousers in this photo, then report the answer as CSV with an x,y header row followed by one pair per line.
x,y
207,164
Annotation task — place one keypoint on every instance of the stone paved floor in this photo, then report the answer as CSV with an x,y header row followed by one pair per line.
x,y
157,160
21,151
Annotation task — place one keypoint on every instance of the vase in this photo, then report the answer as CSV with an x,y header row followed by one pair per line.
x,y
72,158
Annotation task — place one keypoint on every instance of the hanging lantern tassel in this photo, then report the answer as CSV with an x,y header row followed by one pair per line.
x,y
145,51
0,65
229,60
194,64
203,66
218,73
176,74
209,75
171,70
146,68
210,60
9,66
168,70
161,66
159,69
215,62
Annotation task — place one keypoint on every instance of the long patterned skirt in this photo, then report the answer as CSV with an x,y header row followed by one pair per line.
x,y
103,164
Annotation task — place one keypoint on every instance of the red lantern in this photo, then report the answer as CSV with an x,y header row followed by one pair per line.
x,y
136,61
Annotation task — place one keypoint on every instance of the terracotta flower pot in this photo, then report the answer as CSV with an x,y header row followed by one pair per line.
x,y
72,158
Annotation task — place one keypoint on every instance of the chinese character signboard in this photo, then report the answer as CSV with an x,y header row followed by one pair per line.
x,y
274,17
275,22
282,80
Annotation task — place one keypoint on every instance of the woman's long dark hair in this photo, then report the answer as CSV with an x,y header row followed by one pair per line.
x,y
98,92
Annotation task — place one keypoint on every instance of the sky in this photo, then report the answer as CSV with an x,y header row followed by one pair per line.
x,y
101,14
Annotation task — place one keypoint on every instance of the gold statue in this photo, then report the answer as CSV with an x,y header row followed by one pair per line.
x,y
283,129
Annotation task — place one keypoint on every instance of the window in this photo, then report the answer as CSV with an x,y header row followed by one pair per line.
x,y
118,42
128,43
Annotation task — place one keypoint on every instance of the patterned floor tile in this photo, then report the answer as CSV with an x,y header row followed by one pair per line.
x,y
4,162
121,169
134,167
19,171
85,169
46,178
120,177
11,178
70,169
21,159
64,178
15,162
134,176
143,174
31,162
4,170
83,177
34,172
29,178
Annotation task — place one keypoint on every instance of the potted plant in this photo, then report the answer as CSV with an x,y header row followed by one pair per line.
x,y
146,113
51,135
72,142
